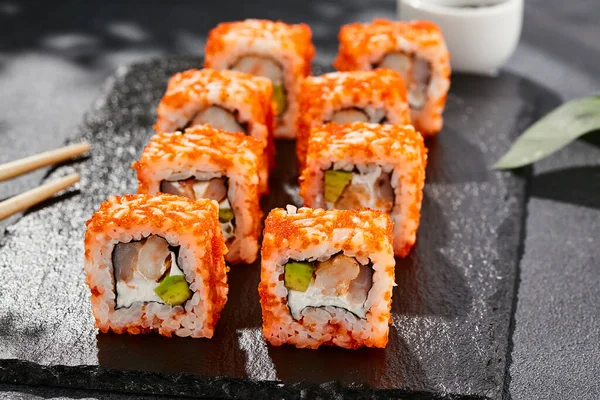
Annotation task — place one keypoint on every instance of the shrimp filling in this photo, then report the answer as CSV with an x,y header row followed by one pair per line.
x,y
218,118
355,114
147,270
365,186
269,68
340,282
415,71
214,189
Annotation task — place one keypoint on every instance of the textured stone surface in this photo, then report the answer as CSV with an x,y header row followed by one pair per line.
x,y
451,309
556,352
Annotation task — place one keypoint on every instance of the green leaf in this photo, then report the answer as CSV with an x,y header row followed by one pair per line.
x,y
553,132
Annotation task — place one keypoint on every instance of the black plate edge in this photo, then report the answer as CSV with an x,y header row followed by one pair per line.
x,y
89,377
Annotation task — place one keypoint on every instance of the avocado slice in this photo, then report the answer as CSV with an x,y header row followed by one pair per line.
x,y
298,275
225,211
335,183
173,290
225,215
279,98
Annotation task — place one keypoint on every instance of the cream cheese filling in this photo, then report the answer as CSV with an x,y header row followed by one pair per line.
x,y
298,301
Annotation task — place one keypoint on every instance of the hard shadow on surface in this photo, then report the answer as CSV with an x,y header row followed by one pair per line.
x,y
69,193
327,363
393,367
428,284
509,243
455,156
220,355
592,138
575,185
283,179
155,353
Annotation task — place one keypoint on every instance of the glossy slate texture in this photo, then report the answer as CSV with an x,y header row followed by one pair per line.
x,y
451,310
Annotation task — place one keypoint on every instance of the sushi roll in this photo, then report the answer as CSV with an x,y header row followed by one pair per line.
x,y
210,163
276,50
228,100
156,264
377,96
359,164
416,50
327,277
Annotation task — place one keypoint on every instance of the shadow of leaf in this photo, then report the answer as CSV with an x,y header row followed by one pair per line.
x,y
575,185
592,138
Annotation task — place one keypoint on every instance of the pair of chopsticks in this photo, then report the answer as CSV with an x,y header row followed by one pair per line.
x,y
34,196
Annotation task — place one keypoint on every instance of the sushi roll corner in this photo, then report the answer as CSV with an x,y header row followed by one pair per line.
x,y
156,263
327,278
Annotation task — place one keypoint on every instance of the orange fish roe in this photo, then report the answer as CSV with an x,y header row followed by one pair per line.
x,y
246,96
321,96
363,45
309,234
192,225
397,149
202,149
289,45
217,146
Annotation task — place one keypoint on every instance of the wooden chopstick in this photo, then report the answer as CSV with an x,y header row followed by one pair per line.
x,y
18,167
34,196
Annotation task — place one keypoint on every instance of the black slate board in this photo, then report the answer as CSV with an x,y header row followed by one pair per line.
x,y
451,310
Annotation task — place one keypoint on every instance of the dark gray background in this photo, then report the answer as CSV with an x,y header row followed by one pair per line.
x,y
54,57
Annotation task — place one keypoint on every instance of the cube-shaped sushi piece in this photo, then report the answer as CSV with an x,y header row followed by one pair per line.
x,y
416,49
377,96
327,277
276,50
359,164
210,163
228,100
156,263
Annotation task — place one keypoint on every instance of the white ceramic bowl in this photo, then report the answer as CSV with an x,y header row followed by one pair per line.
x,y
481,34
